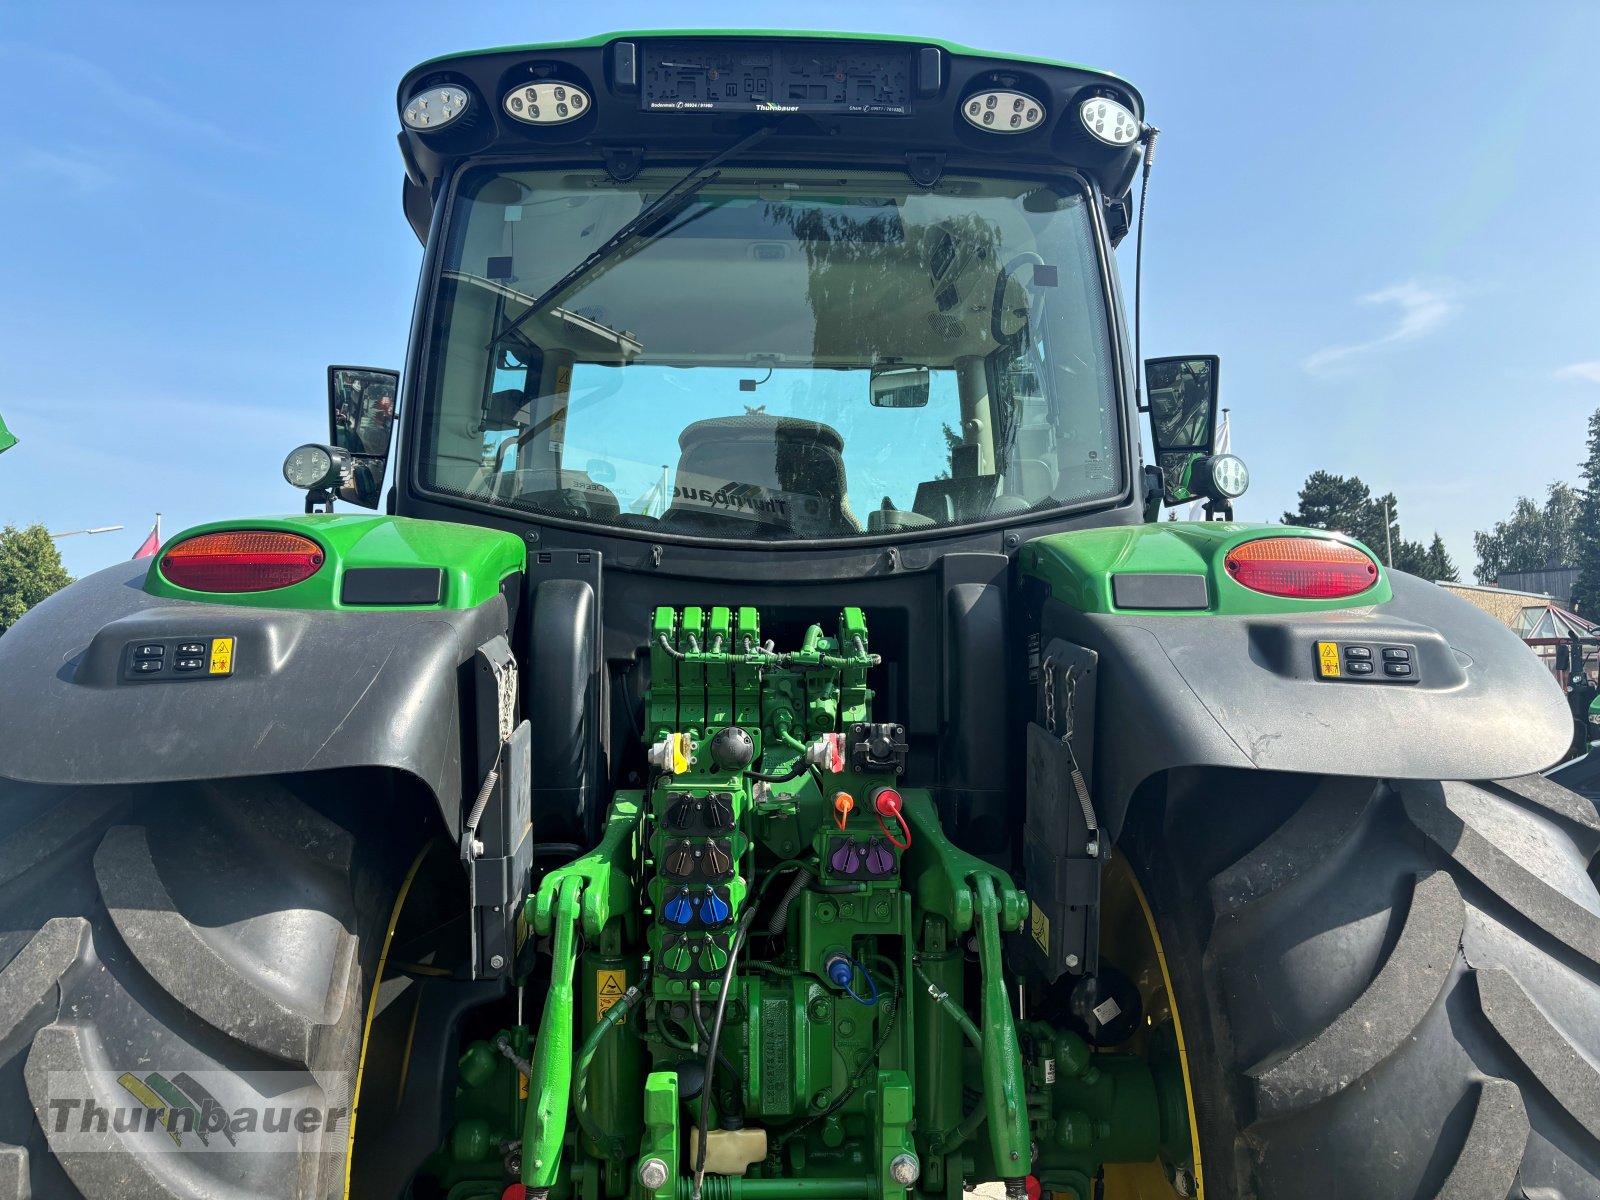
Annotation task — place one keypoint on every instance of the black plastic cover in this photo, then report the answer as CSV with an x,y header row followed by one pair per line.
x,y
391,585
1243,691
1160,591
1061,855
563,661
310,691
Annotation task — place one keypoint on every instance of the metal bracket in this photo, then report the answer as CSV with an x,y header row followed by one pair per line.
x,y
925,167
1064,848
622,162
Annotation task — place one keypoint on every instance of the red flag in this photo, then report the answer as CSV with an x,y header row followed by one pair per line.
x,y
148,547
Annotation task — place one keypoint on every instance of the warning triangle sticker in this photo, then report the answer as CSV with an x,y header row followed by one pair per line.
x,y
611,985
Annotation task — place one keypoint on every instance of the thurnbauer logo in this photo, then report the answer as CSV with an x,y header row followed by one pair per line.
x,y
769,106
181,1107
740,497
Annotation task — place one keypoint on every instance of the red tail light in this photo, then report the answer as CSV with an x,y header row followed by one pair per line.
x,y
248,561
1304,568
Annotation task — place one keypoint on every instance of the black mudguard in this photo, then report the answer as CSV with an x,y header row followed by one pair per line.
x,y
1243,691
310,691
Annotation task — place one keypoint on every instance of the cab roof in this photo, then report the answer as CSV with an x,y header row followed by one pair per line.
x,y
627,119
604,39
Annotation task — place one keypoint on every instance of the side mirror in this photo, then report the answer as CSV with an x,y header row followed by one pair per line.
x,y
361,411
895,386
1182,395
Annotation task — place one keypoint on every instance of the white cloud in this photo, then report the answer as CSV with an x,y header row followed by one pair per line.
x,y
120,103
1420,309
1589,372
84,171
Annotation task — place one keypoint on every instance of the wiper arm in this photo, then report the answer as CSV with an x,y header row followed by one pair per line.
x,y
668,202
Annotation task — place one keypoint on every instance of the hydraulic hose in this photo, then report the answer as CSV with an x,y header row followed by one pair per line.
x,y
970,1124
609,1146
794,772
780,917
730,1114
955,1012
734,945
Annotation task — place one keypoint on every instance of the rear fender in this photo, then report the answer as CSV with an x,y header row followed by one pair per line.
x,y
310,689
1239,685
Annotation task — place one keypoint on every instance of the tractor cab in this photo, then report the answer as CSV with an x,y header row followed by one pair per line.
x,y
778,291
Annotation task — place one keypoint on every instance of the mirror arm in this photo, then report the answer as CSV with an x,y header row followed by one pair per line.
x,y
1153,493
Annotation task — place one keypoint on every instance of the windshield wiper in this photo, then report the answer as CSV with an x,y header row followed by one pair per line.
x,y
663,206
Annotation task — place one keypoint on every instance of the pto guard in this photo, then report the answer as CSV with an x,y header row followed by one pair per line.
x,y
316,683
1233,678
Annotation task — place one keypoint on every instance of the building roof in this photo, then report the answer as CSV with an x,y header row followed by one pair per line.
x,y
1551,622
1497,591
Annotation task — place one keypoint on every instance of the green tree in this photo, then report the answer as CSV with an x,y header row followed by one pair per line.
x,y
1561,508
30,569
1440,567
1533,538
1412,558
1334,502
1586,554
1345,506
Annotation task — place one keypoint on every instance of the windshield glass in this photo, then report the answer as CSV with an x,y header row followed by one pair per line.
x,y
795,354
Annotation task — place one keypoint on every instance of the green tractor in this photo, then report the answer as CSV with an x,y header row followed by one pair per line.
x,y
768,747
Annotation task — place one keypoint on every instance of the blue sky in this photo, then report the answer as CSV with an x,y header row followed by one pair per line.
x,y
1382,216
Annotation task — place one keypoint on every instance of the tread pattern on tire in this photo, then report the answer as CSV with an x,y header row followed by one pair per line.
x,y
159,968
1486,1168
1381,1019
1398,989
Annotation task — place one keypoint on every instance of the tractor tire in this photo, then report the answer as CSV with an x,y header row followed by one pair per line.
x,y
182,942
1387,990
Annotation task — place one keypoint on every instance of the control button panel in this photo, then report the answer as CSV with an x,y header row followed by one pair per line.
x,y
1367,662
178,658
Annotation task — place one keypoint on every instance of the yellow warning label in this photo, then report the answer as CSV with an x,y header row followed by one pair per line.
x,y
608,989
221,656
1039,926
522,1086
1328,656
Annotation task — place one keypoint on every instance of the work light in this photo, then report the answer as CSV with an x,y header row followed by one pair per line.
x,y
1108,121
546,103
434,108
1002,111
312,466
1223,477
